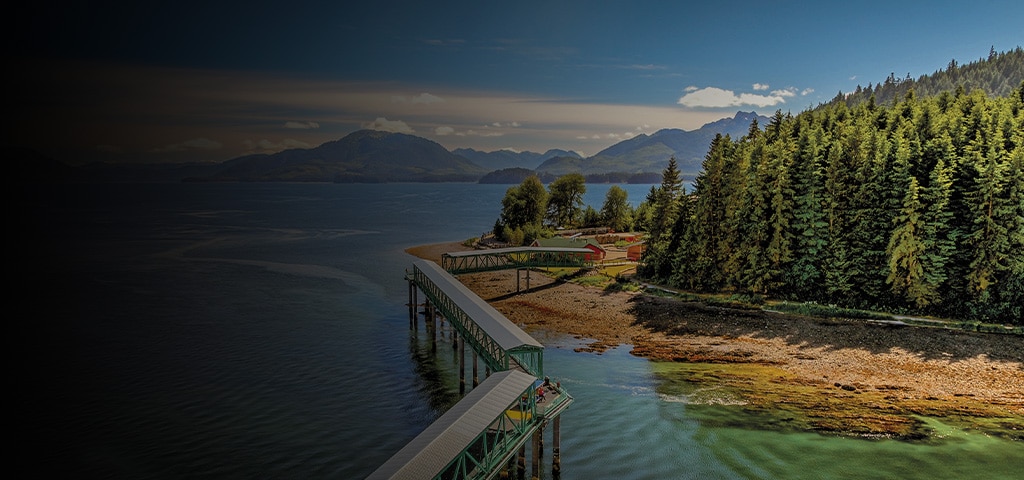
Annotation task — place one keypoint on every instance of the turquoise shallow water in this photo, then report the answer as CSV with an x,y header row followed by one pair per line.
x,y
260,331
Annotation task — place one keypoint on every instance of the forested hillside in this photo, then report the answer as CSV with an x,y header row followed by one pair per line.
x,y
912,205
997,75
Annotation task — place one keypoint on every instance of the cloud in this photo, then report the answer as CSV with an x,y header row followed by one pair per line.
x,y
691,88
787,92
474,133
760,86
427,98
301,125
393,126
193,144
807,91
714,97
423,98
506,124
442,131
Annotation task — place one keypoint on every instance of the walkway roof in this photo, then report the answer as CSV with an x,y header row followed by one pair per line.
x,y
499,251
431,451
507,335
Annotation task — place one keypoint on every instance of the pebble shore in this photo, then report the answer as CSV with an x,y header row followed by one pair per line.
x,y
840,376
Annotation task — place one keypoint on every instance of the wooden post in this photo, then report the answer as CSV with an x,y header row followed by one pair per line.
x,y
431,326
462,365
556,461
535,471
476,380
540,438
414,308
521,463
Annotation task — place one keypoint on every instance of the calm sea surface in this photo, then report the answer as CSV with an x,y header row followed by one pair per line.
x,y
261,331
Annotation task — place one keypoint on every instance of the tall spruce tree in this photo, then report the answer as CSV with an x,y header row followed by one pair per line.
x,y
906,251
706,236
664,209
804,277
937,230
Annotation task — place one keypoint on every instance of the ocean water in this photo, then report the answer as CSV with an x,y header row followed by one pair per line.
x,y
261,331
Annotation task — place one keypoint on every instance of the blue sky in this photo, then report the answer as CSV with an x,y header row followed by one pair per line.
x,y
209,81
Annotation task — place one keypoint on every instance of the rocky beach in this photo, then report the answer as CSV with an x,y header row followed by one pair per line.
x,y
831,375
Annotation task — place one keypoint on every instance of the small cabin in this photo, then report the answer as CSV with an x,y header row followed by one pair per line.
x,y
635,251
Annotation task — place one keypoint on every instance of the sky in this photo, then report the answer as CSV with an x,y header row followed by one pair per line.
x,y
208,81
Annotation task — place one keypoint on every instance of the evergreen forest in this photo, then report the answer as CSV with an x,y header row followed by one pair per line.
x,y
914,207
911,204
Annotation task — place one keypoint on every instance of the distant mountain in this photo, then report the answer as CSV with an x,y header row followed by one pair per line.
x,y
650,153
362,156
503,159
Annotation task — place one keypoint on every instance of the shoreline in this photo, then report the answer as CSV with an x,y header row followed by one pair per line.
x,y
839,376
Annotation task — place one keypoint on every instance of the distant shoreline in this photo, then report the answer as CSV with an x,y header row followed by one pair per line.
x,y
847,377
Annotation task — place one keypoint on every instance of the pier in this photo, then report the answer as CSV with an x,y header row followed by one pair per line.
x,y
485,435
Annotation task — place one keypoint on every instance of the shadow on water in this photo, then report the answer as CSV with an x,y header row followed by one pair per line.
x,y
435,374
677,317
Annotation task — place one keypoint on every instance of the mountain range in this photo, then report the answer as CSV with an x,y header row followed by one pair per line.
x,y
372,156
377,156
650,153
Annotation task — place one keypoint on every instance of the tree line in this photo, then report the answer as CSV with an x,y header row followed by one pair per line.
x,y
530,211
996,74
916,207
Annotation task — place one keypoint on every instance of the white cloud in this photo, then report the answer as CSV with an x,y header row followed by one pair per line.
x,y
760,86
393,126
807,91
427,98
442,131
691,88
301,125
474,133
787,92
714,97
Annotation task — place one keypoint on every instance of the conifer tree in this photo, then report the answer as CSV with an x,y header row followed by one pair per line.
x,y
804,278
706,234
906,251
989,239
664,202
937,234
